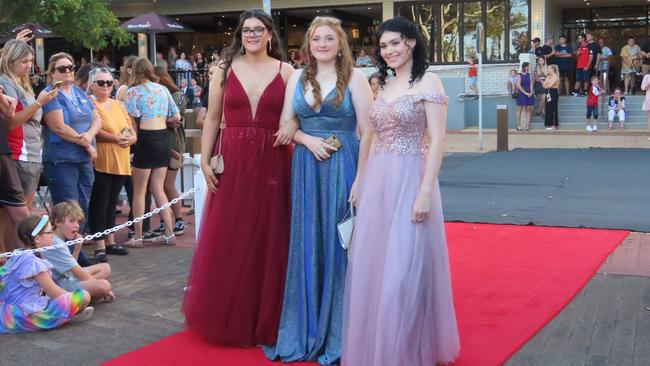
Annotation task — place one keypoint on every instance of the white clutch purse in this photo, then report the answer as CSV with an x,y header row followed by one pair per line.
x,y
345,228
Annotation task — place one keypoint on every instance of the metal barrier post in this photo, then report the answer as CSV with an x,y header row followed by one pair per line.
x,y
502,127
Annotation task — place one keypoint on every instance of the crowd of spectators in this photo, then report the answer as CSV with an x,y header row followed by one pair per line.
x,y
593,67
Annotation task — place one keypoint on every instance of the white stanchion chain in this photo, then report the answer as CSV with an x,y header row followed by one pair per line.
x,y
102,233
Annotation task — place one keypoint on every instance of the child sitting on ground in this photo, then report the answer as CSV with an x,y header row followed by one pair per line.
x,y
512,83
592,104
616,108
29,299
67,273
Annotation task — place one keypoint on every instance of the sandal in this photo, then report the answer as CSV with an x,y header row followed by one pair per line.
x,y
100,256
134,243
116,249
165,240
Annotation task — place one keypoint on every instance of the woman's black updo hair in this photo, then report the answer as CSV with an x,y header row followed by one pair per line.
x,y
408,30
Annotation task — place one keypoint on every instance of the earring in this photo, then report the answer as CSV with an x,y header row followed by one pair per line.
x,y
269,46
339,54
241,50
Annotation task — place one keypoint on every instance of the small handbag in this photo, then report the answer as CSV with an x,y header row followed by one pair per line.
x,y
216,162
346,227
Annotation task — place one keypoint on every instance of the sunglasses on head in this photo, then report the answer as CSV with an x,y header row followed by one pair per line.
x,y
103,83
62,69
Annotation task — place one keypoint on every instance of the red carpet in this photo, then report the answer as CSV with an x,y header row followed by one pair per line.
x,y
509,281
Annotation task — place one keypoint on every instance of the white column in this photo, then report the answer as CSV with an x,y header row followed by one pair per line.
x,y
142,45
40,54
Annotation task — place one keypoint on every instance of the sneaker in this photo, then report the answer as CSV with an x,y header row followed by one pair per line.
x,y
83,315
549,128
575,94
149,237
594,128
160,229
179,227
588,128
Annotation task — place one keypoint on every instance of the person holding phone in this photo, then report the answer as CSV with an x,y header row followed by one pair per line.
x,y
327,100
113,164
71,122
24,130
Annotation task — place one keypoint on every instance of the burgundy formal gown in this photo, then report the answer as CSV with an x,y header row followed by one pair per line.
x,y
234,294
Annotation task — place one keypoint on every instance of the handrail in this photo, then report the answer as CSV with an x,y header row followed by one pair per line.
x,y
462,97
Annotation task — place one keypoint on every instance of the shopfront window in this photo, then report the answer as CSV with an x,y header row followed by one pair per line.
x,y
519,34
454,23
472,16
495,30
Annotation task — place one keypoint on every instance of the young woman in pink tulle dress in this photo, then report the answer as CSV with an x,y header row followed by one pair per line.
x,y
398,300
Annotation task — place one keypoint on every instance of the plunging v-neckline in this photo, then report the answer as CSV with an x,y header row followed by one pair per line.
x,y
248,99
304,98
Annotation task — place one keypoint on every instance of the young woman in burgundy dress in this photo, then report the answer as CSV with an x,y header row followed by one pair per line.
x,y
234,294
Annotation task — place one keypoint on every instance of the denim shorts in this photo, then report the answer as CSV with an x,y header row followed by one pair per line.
x,y
582,75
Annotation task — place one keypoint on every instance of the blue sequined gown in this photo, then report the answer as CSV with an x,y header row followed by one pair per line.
x,y
312,312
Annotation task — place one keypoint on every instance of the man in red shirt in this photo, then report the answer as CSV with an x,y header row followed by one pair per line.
x,y
582,67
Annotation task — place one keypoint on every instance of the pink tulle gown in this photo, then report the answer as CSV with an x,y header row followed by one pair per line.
x,y
398,302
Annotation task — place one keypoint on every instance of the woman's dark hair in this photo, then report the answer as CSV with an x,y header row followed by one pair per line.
x,y
165,79
408,30
25,228
524,65
236,47
81,76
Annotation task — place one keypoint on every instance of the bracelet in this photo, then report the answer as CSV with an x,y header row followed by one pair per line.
x,y
39,104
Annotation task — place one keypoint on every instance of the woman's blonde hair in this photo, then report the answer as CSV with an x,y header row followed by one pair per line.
x,y
15,50
554,69
142,71
344,62
51,66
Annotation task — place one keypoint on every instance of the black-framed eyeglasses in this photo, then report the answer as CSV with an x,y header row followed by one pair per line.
x,y
103,83
257,31
62,69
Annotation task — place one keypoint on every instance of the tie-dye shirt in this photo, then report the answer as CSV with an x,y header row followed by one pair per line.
x,y
18,286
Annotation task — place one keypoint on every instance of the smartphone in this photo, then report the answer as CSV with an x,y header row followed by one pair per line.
x,y
57,84
333,141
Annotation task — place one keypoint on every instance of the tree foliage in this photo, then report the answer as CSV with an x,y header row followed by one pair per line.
x,y
86,23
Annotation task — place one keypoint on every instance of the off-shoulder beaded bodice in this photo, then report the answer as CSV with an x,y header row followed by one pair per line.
x,y
400,125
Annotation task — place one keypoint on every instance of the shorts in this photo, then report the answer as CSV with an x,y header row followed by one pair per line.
x,y
592,73
472,80
628,70
592,111
29,173
564,73
582,75
70,284
152,150
11,191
